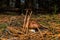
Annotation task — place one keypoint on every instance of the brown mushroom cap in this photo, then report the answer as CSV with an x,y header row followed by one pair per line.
x,y
34,24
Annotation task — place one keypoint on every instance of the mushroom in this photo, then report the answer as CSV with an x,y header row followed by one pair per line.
x,y
33,25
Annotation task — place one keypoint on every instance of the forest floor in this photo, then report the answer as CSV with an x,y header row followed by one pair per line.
x,y
11,27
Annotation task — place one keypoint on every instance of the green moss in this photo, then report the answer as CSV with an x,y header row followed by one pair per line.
x,y
3,26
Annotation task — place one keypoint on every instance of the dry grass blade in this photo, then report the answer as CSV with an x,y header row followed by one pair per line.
x,y
13,30
40,33
25,19
28,19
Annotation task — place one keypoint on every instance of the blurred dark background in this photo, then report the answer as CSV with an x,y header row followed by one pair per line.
x,y
37,6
